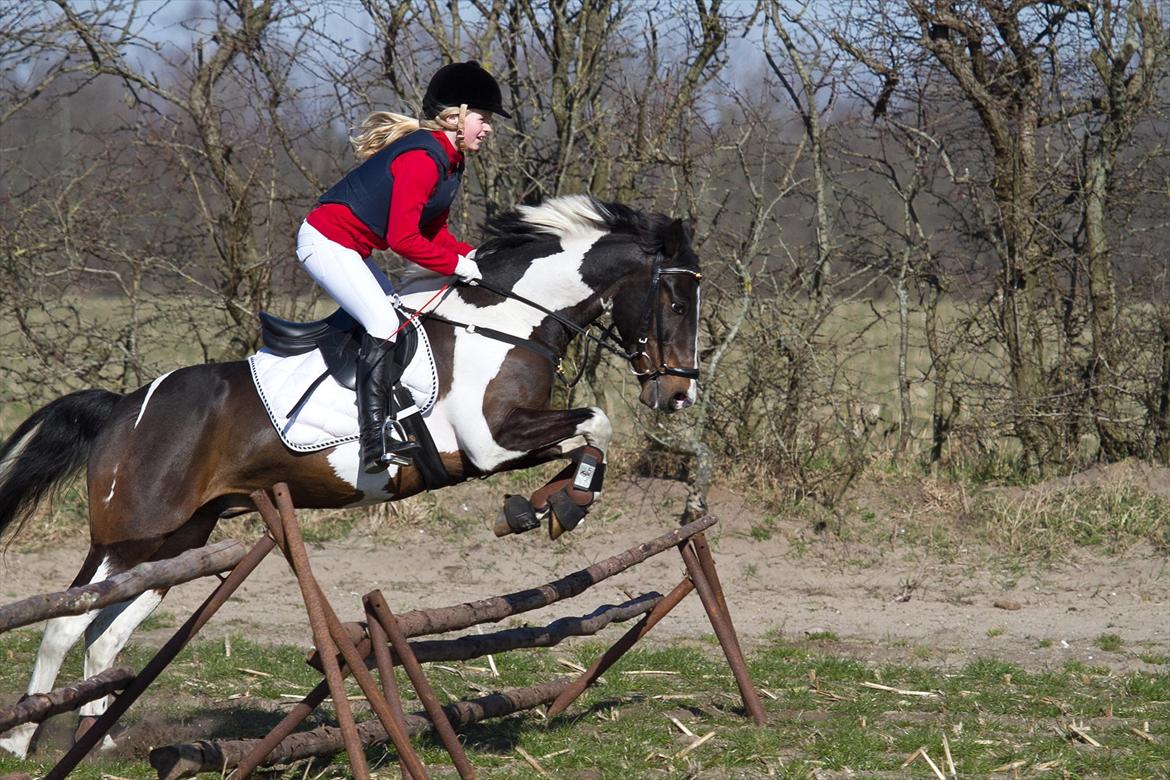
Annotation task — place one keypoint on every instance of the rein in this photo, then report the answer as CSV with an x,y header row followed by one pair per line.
x,y
607,341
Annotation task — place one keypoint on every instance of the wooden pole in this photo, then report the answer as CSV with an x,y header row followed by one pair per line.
x,y
191,565
176,761
460,616
40,706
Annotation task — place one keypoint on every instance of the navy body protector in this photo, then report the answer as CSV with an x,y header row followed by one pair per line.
x,y
366,190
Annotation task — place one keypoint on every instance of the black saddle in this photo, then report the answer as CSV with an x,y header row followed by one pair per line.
x,y
338,336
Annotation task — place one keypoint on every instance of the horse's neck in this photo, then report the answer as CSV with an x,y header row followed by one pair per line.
x,y
555,282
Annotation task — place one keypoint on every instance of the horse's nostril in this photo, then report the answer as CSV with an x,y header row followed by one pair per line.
x,y
681,400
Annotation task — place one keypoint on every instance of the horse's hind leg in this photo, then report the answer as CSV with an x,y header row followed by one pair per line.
x,y
108,633
104,639
60,635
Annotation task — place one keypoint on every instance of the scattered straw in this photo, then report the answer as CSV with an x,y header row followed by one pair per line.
x,y
1144,735
695,744
681,726
899,691
255,672
1082,735
576,667
937,772
532,762
950,761
1010,767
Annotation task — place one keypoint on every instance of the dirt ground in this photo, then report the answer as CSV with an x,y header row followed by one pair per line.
x,y
878,596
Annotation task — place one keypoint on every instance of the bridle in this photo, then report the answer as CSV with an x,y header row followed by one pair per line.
x,y
651,315
650,311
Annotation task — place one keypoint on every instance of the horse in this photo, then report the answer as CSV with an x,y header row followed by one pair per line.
x,y
164,463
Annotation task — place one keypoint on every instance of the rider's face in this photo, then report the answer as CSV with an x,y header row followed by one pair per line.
x,y
476,127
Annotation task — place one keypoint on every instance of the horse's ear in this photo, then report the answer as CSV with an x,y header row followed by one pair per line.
x,y
678,236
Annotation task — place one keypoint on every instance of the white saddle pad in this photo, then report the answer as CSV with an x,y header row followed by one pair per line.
x,y
329,416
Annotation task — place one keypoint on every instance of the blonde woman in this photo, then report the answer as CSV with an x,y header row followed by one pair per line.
x,y
398,198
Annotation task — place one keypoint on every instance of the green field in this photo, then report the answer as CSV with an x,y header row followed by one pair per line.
x,y
829,716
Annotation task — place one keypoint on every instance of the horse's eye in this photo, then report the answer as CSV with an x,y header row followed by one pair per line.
x,y
678,308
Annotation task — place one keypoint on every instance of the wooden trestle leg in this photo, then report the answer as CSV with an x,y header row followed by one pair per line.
x,y
376,602
620,647
724,630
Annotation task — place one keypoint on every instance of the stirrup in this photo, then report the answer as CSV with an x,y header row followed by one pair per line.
x,y
397,449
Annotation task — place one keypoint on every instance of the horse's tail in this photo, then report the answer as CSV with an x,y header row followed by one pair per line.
x,y
48,448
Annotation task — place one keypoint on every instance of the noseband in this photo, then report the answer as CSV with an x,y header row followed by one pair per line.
x,y
607,340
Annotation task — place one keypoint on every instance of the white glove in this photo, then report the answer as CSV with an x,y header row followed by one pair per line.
x,y
467,269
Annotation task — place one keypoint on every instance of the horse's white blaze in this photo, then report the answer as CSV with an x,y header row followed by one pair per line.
x,y
9,463
693,388
153,386
107,635
60,635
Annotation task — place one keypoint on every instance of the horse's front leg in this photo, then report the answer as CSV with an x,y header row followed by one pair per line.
x,y
547,434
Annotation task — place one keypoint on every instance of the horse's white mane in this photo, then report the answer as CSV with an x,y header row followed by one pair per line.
x,y
565,216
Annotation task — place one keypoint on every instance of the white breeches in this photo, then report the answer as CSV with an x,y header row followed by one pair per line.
x,y
358,285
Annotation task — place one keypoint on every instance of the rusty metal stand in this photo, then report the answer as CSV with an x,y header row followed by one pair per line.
x,y
370,645
711,594
330,637
389,624
619,648
385,663
701,576
161,660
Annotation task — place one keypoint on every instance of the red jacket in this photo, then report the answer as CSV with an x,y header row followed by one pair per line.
x,y
431,245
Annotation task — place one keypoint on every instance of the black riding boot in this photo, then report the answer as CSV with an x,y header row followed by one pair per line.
x,y
376,376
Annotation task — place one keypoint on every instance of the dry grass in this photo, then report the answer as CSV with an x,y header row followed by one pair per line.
x,y
1049,523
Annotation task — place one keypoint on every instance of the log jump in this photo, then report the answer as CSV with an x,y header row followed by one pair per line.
x,y
379,643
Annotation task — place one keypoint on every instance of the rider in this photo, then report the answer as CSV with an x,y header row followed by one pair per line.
x,y
397,198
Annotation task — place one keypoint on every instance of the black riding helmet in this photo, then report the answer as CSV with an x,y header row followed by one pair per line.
x,y
463,82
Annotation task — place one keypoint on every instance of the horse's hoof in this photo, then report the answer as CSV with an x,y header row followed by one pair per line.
x,y
517,516
565,515
84,725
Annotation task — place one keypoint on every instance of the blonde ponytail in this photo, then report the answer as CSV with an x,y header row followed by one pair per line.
x,y
382,128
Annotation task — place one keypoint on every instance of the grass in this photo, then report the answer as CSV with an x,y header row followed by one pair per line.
x,y
1109,642
1049,523
826,713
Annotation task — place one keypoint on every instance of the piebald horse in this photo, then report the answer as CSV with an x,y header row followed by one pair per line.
x,y
167,461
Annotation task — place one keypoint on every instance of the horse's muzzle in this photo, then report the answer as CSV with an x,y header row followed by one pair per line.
x,y
668,393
